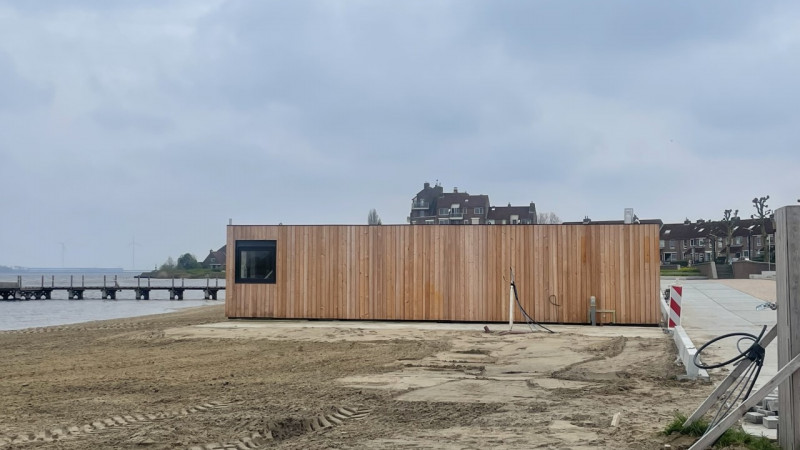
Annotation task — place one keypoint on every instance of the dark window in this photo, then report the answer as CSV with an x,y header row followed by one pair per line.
x,y
255,262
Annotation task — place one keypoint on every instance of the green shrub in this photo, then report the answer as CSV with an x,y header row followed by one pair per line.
x,y
682,272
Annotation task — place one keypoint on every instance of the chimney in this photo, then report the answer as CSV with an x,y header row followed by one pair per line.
x,y
687,221
426,185
455,190
628,216
586,220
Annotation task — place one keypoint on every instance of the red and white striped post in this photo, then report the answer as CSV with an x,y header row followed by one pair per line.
x,y
675,294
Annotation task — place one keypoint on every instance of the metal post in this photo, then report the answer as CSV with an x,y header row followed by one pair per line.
x,y
70,281
42,281
83,281
787,265
769,259
104,281
592,310
52,281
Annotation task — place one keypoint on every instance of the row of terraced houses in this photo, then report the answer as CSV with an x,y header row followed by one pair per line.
x,y
701,240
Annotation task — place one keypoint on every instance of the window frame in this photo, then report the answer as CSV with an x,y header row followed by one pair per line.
x,y
255,245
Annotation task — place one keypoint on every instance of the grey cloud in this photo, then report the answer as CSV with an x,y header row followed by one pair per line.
x,y
18,93
310,112
611,29
118,119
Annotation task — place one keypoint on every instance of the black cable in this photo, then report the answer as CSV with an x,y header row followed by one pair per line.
x,y
525,313
741,355
740,341
726,405
755,353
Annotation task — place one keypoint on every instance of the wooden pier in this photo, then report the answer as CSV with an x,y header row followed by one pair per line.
x,y
17,291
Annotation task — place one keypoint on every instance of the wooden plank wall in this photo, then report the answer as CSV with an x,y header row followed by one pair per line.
x,y
449,272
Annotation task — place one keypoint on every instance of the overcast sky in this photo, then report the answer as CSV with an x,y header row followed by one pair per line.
x,y
158,121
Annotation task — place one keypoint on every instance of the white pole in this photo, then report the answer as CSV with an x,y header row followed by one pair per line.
x,y
511,302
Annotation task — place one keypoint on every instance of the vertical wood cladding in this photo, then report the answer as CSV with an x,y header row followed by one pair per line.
x,y
448,272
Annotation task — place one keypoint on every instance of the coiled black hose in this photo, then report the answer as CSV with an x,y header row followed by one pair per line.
x,y
755,353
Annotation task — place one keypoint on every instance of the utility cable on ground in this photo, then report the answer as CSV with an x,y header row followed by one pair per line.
x,y
528,318
744,385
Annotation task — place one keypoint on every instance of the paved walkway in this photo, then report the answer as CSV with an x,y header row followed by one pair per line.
x,y
710,308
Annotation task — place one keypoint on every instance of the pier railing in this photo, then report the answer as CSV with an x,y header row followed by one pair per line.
x,y
108,290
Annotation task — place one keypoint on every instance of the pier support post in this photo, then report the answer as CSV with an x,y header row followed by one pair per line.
x,y
787,266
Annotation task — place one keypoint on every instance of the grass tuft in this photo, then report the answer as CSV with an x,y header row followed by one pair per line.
x,y
696,429
733,436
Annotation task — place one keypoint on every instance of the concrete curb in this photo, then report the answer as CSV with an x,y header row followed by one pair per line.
x,y
686,352
687,277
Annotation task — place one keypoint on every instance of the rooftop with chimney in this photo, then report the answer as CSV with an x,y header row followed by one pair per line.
x,y
433,206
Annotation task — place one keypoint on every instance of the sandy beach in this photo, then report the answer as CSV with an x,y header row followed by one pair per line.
x,y
192,379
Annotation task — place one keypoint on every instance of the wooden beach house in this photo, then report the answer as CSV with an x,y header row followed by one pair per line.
x,y
443,273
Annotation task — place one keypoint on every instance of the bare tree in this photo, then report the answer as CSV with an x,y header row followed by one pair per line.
x,y
547,218
729,223
762,215
373,218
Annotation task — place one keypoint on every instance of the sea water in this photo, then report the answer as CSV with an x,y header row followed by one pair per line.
x,y
15,315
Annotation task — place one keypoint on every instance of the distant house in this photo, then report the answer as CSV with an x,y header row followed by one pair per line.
x,y
512,214
635,221
432,206
215,259
699,241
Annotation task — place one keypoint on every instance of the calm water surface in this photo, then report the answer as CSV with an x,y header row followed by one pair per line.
x,y
15,315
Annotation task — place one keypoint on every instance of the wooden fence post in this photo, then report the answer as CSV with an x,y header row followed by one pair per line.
x,y
787,262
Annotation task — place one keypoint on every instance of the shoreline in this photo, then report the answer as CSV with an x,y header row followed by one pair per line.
x,y
168,275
